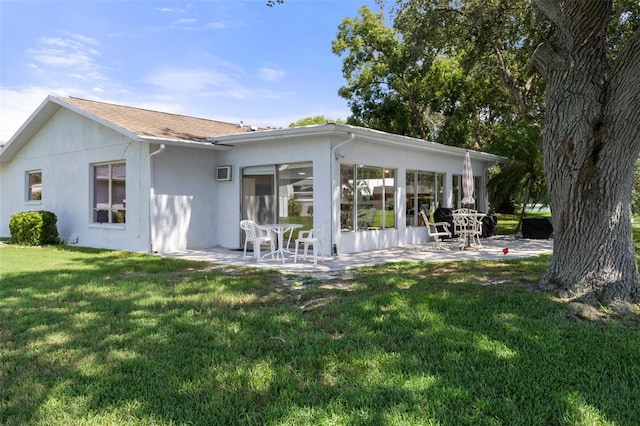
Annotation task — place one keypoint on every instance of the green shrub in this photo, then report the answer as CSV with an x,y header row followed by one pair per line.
x,y
34,228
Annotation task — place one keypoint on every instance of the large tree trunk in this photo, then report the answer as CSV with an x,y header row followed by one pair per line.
x,y
590,143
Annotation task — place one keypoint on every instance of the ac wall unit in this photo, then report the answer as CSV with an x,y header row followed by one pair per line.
x,y
223,173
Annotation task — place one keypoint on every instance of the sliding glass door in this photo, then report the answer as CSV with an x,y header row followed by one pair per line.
x,y
279,193
259,194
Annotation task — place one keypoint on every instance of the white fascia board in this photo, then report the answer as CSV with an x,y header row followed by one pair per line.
x,y
276,134
419,144
185,144
371,135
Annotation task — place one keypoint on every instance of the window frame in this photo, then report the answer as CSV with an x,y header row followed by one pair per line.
x,y
413,202
108,200
368,206
29,186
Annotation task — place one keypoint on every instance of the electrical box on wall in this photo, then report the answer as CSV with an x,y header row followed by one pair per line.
x,y
223,173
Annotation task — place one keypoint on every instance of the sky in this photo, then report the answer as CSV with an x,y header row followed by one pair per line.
x,y
228,60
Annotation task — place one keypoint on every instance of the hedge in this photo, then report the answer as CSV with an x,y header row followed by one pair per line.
x,y
34,228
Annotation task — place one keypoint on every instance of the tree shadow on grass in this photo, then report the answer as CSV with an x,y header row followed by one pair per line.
x,y
137,339
516,353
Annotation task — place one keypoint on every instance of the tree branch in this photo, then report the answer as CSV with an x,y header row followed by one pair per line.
x,y
551,9
414,109
511,82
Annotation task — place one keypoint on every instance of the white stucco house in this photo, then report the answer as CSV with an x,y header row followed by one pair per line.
x,y
119,177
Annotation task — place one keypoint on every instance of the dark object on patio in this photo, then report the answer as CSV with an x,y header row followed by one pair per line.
x,y
537,228
442,214
489,226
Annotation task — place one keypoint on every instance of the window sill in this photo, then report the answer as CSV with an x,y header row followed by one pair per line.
x,y
114,226
33,202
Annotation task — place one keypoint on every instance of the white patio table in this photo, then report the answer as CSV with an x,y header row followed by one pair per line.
x,y
280,229
468,225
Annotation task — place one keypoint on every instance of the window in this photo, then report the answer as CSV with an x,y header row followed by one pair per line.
x,y
295,193
109,196
367,199
425,191
34,185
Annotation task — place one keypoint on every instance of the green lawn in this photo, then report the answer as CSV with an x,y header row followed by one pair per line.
x,y
508,223
91,337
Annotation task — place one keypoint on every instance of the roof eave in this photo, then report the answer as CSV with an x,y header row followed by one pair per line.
x,y
370,134
185,143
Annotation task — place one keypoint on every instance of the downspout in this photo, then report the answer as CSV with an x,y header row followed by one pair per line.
x,y
334,247
159,151
152,192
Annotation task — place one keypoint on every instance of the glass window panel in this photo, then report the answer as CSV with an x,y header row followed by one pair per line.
x,y
425,191
369,193
109,193
118,171
412,199
259,201
34,189
295,192
347,202
389,217
101,194
439,190
457,191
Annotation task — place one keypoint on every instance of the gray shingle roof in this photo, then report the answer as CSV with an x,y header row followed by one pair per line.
x,y
148,123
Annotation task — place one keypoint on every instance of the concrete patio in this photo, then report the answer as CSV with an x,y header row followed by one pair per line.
x,y
494,249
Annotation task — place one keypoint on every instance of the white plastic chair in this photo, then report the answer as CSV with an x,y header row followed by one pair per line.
x,y
251,235
314,238
433,232
478,229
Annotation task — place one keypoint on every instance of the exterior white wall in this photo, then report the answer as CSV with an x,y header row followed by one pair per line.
x,y
184,199
326,171
316,150
64,150
364,152
173,199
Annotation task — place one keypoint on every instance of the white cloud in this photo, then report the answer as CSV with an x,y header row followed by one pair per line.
x,y
193,25
166,10
228,82
74,51
190,80
270,74
186,21
215,26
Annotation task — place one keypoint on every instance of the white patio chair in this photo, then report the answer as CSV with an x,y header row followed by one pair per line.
x,y
478,229
314,238
251,234
434,232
